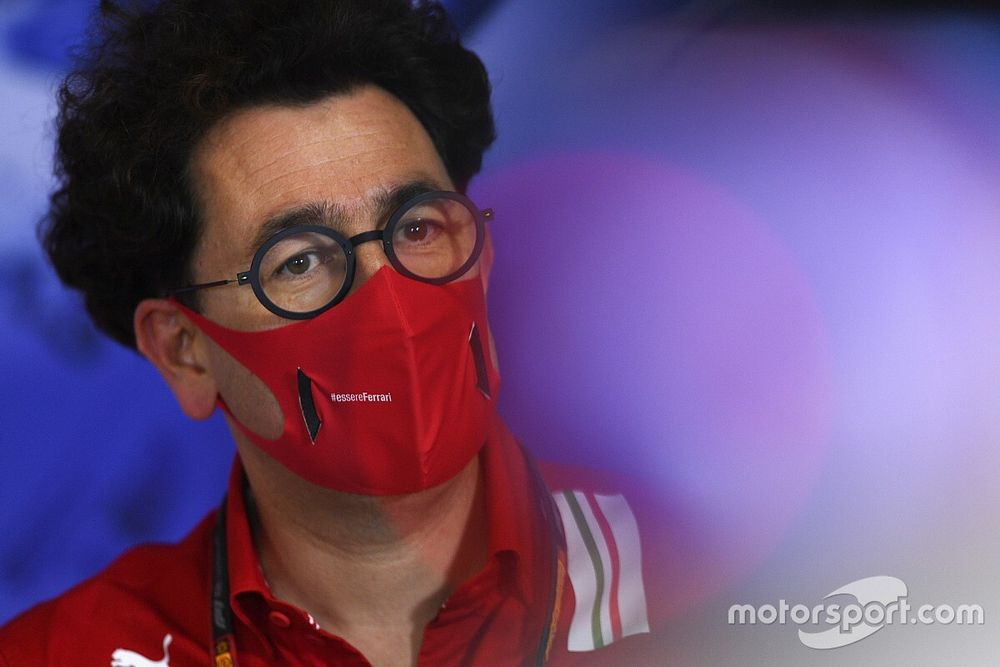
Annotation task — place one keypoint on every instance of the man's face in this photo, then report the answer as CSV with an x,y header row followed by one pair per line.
x,y
346,154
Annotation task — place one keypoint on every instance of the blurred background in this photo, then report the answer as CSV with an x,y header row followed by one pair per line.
x,y
747,252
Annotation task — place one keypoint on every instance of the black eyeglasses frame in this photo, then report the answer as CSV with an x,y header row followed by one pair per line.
x,y
252,275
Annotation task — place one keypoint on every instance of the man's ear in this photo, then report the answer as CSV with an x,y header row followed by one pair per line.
x,y
177,348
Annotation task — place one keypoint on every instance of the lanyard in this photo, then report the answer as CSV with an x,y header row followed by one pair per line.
x,y
224,637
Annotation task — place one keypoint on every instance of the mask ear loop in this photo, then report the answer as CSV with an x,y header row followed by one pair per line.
x,y
201,322
485,268
486,260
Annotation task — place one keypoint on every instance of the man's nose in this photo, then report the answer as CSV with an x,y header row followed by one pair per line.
x,y
369,257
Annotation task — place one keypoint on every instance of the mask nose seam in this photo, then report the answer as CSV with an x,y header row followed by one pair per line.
x,y
416,396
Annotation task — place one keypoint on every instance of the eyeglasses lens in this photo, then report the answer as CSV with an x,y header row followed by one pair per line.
x,y
435,238
303,272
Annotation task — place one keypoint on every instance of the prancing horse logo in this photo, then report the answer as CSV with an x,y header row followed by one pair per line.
x,y
125,658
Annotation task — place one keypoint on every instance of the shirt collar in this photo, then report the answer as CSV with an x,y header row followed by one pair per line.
x,y
515,495
520,537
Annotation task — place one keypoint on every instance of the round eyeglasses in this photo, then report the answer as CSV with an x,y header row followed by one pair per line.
x,y
304,270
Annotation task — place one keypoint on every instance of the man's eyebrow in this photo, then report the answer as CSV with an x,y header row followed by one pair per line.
x,y
313,213
387,201
328,214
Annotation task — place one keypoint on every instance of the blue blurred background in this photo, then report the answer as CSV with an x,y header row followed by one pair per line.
x,y
746,251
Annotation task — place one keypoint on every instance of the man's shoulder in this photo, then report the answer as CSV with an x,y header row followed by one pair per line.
x,y
149,593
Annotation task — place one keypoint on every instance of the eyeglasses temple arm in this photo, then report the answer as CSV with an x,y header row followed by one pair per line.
x,y
240,278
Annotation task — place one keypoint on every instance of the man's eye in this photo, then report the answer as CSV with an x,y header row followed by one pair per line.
x,y
303,263
299,264
419,231
415,231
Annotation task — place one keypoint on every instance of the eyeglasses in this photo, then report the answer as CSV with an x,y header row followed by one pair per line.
x,y
302,271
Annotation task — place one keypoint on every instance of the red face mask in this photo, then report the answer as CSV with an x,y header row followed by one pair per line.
x,y
389,392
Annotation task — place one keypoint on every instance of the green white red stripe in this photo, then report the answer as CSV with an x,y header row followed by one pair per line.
x,y
605,568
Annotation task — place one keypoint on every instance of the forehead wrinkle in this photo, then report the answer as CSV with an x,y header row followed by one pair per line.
x,y
337,142
242,167
258,190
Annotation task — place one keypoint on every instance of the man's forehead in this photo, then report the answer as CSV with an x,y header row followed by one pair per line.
x,y
254,140
333,162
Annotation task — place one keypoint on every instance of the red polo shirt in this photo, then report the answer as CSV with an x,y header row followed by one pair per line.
x,y
155,602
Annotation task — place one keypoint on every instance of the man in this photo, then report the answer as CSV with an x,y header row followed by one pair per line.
x,y
266,200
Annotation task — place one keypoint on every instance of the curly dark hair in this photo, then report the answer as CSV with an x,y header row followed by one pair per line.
x,y
123,222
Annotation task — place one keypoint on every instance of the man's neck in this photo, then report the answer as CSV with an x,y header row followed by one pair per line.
x,y
373,570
